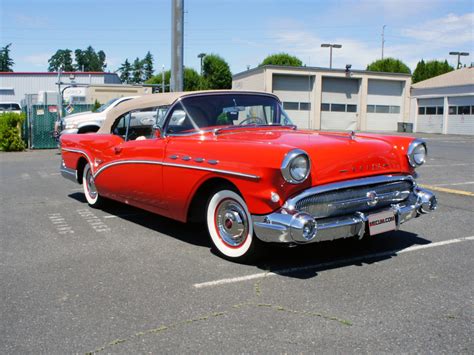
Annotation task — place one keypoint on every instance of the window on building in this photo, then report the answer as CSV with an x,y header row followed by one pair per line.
x,y
325,107
421,110
290,106
431,110
338,108
394,109
305,106
382,109
439,110
351,108
371,108
452,110
472,110
464,110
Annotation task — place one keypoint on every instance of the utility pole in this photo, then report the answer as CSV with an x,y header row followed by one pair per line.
x,y
177,39
163,85
459,54
331,46
383,38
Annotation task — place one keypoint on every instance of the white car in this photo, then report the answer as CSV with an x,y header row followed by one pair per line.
x,y
10,106
87,122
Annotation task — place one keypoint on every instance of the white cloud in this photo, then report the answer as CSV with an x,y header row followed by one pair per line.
x,y
448,30
38,59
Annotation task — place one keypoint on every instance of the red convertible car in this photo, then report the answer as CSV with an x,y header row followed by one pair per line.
x,y
235,161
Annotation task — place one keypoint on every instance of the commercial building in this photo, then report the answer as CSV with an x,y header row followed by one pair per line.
x,y
15,85
444,104
334,99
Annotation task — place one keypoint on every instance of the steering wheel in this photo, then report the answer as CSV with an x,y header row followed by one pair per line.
x,y
253,120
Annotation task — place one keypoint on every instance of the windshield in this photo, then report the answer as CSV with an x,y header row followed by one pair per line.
x,y
107,104
10,106
196,113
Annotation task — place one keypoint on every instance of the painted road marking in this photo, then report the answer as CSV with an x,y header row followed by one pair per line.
x,y
446,165
60,223
25,176
43,174
329,264
456,184
94,221
449,191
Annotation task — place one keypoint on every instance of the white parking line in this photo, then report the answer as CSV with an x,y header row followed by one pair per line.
x,y
60,223
94,221
25,176
329,264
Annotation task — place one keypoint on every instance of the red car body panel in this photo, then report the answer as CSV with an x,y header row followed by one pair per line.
x,y
152,174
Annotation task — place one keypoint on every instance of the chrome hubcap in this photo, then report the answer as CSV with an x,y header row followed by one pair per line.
x,y
231,222
90,184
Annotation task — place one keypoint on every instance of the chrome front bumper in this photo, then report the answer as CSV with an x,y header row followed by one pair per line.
x,y
287,226
70,174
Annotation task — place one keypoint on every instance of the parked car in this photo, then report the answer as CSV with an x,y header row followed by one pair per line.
x,y
87,122
235,161
10,106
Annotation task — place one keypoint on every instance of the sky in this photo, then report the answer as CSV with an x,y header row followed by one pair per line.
x,y
243,32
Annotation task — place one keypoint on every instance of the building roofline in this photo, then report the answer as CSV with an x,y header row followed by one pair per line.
x,y
318,69
56,73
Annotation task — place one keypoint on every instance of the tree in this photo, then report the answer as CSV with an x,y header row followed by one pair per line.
x,y
147,66
6,62
215,73
282,59
191,78
430,69
89,60
125,72
389,65
137,71
62,59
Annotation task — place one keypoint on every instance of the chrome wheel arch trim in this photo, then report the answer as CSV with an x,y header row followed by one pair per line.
x,y
80,151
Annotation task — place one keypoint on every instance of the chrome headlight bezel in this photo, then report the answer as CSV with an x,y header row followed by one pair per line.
x,y
417,147
288,164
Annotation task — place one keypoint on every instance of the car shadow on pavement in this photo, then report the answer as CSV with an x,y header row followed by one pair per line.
x,y
306,261
186,232
303,261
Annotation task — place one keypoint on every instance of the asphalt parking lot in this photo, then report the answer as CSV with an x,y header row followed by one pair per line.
x,y
121,280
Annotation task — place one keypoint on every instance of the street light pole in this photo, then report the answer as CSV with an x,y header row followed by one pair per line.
x,y
383,38
459,54
201,56
331,46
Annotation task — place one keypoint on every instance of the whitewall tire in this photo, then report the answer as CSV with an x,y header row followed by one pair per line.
x,y
230,226
90,191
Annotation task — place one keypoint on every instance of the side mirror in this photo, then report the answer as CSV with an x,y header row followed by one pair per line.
x,y
157,132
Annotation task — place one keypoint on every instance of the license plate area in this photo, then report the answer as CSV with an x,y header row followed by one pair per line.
x,y
381,222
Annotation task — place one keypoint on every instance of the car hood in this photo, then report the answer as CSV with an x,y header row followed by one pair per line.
x,y
334,155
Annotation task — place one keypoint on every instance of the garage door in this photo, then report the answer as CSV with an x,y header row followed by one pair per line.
x,y
461,115
430,115
294,91
339,104
384,104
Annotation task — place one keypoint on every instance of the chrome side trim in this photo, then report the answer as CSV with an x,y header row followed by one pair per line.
x,y
290,204
154,162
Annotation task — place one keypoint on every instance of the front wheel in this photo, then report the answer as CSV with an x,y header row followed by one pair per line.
x,y
230,227
90,191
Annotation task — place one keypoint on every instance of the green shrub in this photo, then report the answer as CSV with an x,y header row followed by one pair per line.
x,y
10,139
96,105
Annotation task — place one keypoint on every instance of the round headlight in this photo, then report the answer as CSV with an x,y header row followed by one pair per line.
x,y
417,153
295,167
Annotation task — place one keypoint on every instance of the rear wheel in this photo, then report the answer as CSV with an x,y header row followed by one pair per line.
x,y
90,191
230,227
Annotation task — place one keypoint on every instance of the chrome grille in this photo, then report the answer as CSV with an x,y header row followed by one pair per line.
x,y
356,199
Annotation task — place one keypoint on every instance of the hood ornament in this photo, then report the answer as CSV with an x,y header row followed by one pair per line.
x,y
352,135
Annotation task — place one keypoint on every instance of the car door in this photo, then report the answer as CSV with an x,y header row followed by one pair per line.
x,y
132,169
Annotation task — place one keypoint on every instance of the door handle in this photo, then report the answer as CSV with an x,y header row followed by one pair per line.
x,y
117,150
